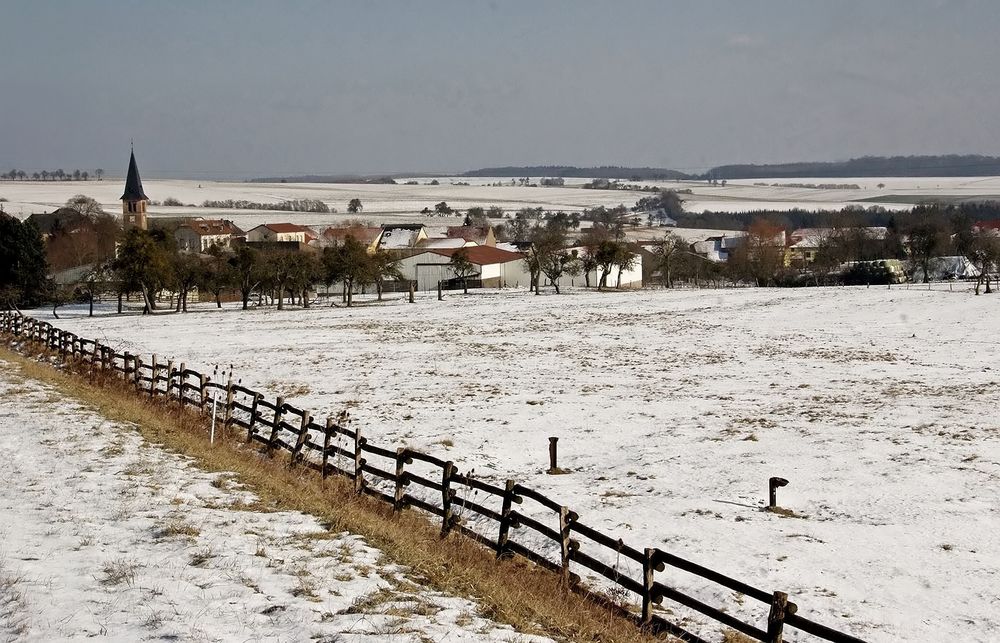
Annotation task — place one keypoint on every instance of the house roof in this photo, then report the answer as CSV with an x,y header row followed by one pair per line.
x,y
286,227
213,227
481,255
133,184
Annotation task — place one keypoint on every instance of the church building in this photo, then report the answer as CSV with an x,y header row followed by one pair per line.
x,y
134,200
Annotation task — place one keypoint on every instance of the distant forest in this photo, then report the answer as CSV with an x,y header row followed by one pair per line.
x,y
866,166
570,171
871,166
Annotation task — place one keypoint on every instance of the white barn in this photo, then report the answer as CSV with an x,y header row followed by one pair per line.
x,y
497,268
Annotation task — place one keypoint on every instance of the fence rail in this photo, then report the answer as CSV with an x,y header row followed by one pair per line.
x,y
458,500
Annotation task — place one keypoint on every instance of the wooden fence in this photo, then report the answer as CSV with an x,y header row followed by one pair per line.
x,y
511,520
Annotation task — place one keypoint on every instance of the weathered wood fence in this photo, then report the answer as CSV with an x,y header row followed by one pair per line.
x,y
511,520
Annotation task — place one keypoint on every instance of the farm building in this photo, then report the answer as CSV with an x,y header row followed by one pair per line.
x,y
479,235
496,268
200,235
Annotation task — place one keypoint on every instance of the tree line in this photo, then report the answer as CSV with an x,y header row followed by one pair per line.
x,y
51,175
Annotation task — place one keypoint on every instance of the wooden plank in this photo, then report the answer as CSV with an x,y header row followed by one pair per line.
x,y
475,483
379,451
822,631
607,571
537,497
423,457
413,501
520,520
422,481
375,471
607,541
714,576
464,503
661,590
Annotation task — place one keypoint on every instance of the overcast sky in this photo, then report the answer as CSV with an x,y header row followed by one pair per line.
x,y
245,88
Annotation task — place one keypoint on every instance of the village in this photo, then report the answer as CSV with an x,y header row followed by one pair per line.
x,y
171,261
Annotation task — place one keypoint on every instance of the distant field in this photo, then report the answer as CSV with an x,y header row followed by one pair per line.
x,y
396,203
673,409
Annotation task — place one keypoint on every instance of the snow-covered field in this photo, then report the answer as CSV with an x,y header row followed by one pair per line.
x,y
103,535
673,409
396,203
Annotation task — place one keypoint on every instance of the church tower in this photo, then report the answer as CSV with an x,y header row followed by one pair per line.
x,y
134,199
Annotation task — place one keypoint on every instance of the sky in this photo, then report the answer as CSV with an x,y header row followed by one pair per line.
x,y
243,88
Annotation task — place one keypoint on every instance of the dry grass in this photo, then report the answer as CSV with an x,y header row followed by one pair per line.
x,y
15,620
514,592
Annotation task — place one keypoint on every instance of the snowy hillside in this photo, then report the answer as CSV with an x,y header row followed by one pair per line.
x,y
673,409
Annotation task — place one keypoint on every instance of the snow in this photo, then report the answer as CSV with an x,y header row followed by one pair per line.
x,y
403,203
104,535
673,409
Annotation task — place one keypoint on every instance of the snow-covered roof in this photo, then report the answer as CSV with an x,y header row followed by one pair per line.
x,y
443,243
398,237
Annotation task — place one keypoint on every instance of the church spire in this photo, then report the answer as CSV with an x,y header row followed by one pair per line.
x,y
133,184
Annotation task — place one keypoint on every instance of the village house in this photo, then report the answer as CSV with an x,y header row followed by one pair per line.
x,y
495,268
201,234
283,232
367,236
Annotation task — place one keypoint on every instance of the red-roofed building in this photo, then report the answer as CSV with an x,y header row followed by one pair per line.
x,y
481,235
496,268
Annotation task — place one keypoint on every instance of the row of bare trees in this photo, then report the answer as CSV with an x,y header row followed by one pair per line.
x,y
51,175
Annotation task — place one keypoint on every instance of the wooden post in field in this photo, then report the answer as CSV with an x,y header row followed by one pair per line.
x,y
411,291
303,434
647,586
776,617
440,296
772,491
553,445
397,502
446,496
359,462
253,415
504,536
279,409
327,433
125,361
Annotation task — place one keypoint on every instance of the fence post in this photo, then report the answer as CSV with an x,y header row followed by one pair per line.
x,y
446,495
565,517
126,358
359,462
397,502
776,617
504,536
152,376
253,415
326,443
228,413
647,586
303,434
553,445
279,409
202,382
170,378
137,375
181,380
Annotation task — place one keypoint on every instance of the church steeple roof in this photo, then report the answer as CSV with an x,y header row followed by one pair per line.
x,y
133,184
